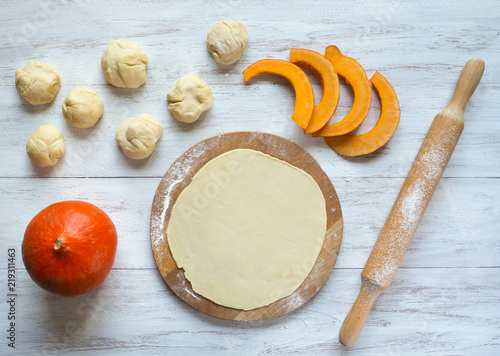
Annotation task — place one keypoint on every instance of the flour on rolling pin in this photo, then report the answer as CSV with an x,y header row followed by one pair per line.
x,y
411,204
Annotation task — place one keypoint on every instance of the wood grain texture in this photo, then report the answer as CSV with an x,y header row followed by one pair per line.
x,y
444,298
177,178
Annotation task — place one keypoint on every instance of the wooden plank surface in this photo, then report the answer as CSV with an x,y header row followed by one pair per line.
x,y
444,300
434,311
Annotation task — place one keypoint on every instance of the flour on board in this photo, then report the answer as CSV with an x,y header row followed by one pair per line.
x,y
175,175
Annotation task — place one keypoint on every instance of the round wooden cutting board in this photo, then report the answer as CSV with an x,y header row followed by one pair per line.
x,y
179,176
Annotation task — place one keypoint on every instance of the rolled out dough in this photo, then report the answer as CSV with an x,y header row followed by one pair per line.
x,y
248,229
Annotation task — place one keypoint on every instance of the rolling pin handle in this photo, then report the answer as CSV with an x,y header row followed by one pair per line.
x,y
467,82
355,320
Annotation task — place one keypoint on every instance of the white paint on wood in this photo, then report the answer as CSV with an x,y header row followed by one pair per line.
x,y
427,311
444,299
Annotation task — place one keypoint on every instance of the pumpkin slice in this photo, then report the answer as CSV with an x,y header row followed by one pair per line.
x,y
358,145
354,75
304,95
323,69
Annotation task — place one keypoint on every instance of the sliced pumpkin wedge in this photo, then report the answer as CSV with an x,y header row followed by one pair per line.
x,y
323,69
304,95
354,75
358,145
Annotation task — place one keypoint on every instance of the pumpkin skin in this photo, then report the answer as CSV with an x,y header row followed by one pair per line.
x,y
69,247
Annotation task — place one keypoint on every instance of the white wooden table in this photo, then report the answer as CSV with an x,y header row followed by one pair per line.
x,y
444,299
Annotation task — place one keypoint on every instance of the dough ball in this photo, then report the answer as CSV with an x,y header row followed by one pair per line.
x,y
82,108
227,40
45,146
124,64
189,98
137,136
38,83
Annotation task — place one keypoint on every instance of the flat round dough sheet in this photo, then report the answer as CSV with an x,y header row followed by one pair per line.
x,y
248,229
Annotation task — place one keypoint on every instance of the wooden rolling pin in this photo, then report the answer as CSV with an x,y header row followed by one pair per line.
x,y
412,201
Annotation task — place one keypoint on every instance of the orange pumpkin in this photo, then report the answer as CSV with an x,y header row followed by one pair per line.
x,y
69,247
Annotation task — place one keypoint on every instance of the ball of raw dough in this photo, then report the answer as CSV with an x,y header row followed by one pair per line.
x,y
227,40
82,108
137,136
45,146
124,64
189,98
38,83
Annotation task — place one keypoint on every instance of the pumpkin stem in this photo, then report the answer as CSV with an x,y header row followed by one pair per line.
x,y
58,243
